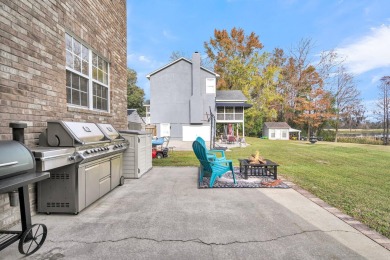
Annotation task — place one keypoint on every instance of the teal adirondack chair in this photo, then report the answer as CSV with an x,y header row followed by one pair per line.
x,y
212,154
215,168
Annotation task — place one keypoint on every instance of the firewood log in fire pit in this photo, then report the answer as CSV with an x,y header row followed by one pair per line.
x,y
256,159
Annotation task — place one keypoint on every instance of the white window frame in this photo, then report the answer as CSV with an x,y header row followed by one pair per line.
x,y
90,77
272,133
284,134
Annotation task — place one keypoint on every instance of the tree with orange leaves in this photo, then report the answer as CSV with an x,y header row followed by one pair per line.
x,y
235,57
314,108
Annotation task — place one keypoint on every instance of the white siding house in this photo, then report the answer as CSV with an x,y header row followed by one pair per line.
x,y
276,130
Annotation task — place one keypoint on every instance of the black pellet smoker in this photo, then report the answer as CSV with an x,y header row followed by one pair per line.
x,y
17,171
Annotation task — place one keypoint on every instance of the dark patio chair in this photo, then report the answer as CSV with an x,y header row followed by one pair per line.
x,y
231,139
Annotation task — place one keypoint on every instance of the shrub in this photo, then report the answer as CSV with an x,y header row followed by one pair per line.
x,y
359,140
327,135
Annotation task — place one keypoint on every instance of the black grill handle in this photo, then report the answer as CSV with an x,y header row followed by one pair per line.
x,y
18,131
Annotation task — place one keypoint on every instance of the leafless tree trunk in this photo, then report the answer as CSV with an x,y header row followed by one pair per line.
x,y
347,98
328,65
384,106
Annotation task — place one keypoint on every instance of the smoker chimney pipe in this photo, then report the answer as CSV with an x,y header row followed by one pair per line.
x,y
18,131
17,135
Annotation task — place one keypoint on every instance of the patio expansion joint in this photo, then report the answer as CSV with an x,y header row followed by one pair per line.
x,y
197,240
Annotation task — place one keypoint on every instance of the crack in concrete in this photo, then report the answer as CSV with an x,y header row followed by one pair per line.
x,y
199,241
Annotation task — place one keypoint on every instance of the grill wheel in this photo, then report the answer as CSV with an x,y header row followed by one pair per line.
x,y
32,239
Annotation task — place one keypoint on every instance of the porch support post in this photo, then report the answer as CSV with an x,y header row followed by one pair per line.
x,y
243,122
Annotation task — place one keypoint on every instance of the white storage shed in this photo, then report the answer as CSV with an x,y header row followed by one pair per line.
x,y
137,159
276,130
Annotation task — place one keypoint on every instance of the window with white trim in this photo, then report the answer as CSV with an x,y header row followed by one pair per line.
x,y
87,76
272,133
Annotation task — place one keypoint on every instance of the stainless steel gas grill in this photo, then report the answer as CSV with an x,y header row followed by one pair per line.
x,y
85,163
17,170
113,135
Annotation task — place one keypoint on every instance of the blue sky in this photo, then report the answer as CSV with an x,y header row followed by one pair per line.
x,y
358,30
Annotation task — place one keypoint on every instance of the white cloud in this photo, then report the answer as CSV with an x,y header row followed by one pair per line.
x,y
143,58
168,35
369,52
376,78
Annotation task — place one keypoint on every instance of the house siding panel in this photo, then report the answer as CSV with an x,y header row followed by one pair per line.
x,y
170,91
32,66
170,94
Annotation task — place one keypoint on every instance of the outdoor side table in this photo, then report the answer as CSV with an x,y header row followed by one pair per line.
x,y
269,168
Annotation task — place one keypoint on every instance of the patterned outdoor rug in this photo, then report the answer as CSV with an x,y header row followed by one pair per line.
x,y
226,181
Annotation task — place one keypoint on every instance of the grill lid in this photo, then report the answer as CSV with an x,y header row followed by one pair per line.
x,y
61,133
109,131
15,158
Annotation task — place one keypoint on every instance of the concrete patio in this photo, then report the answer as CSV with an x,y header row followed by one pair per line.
x,y
164,216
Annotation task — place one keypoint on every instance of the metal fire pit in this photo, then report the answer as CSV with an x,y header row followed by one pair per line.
x,y
17,170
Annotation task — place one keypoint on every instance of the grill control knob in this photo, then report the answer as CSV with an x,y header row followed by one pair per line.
x,y
87,152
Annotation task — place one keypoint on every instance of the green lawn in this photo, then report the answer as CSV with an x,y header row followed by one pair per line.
x,y
354,178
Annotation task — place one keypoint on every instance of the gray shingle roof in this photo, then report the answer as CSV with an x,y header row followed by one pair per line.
x,y
132,116
130,111
230,95
277,125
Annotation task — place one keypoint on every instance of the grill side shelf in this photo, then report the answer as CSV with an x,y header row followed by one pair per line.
x,y
12,183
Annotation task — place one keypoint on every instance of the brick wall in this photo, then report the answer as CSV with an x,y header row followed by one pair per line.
x,y
32,66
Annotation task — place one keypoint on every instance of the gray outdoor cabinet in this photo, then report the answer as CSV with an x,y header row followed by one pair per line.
x,y
137,159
